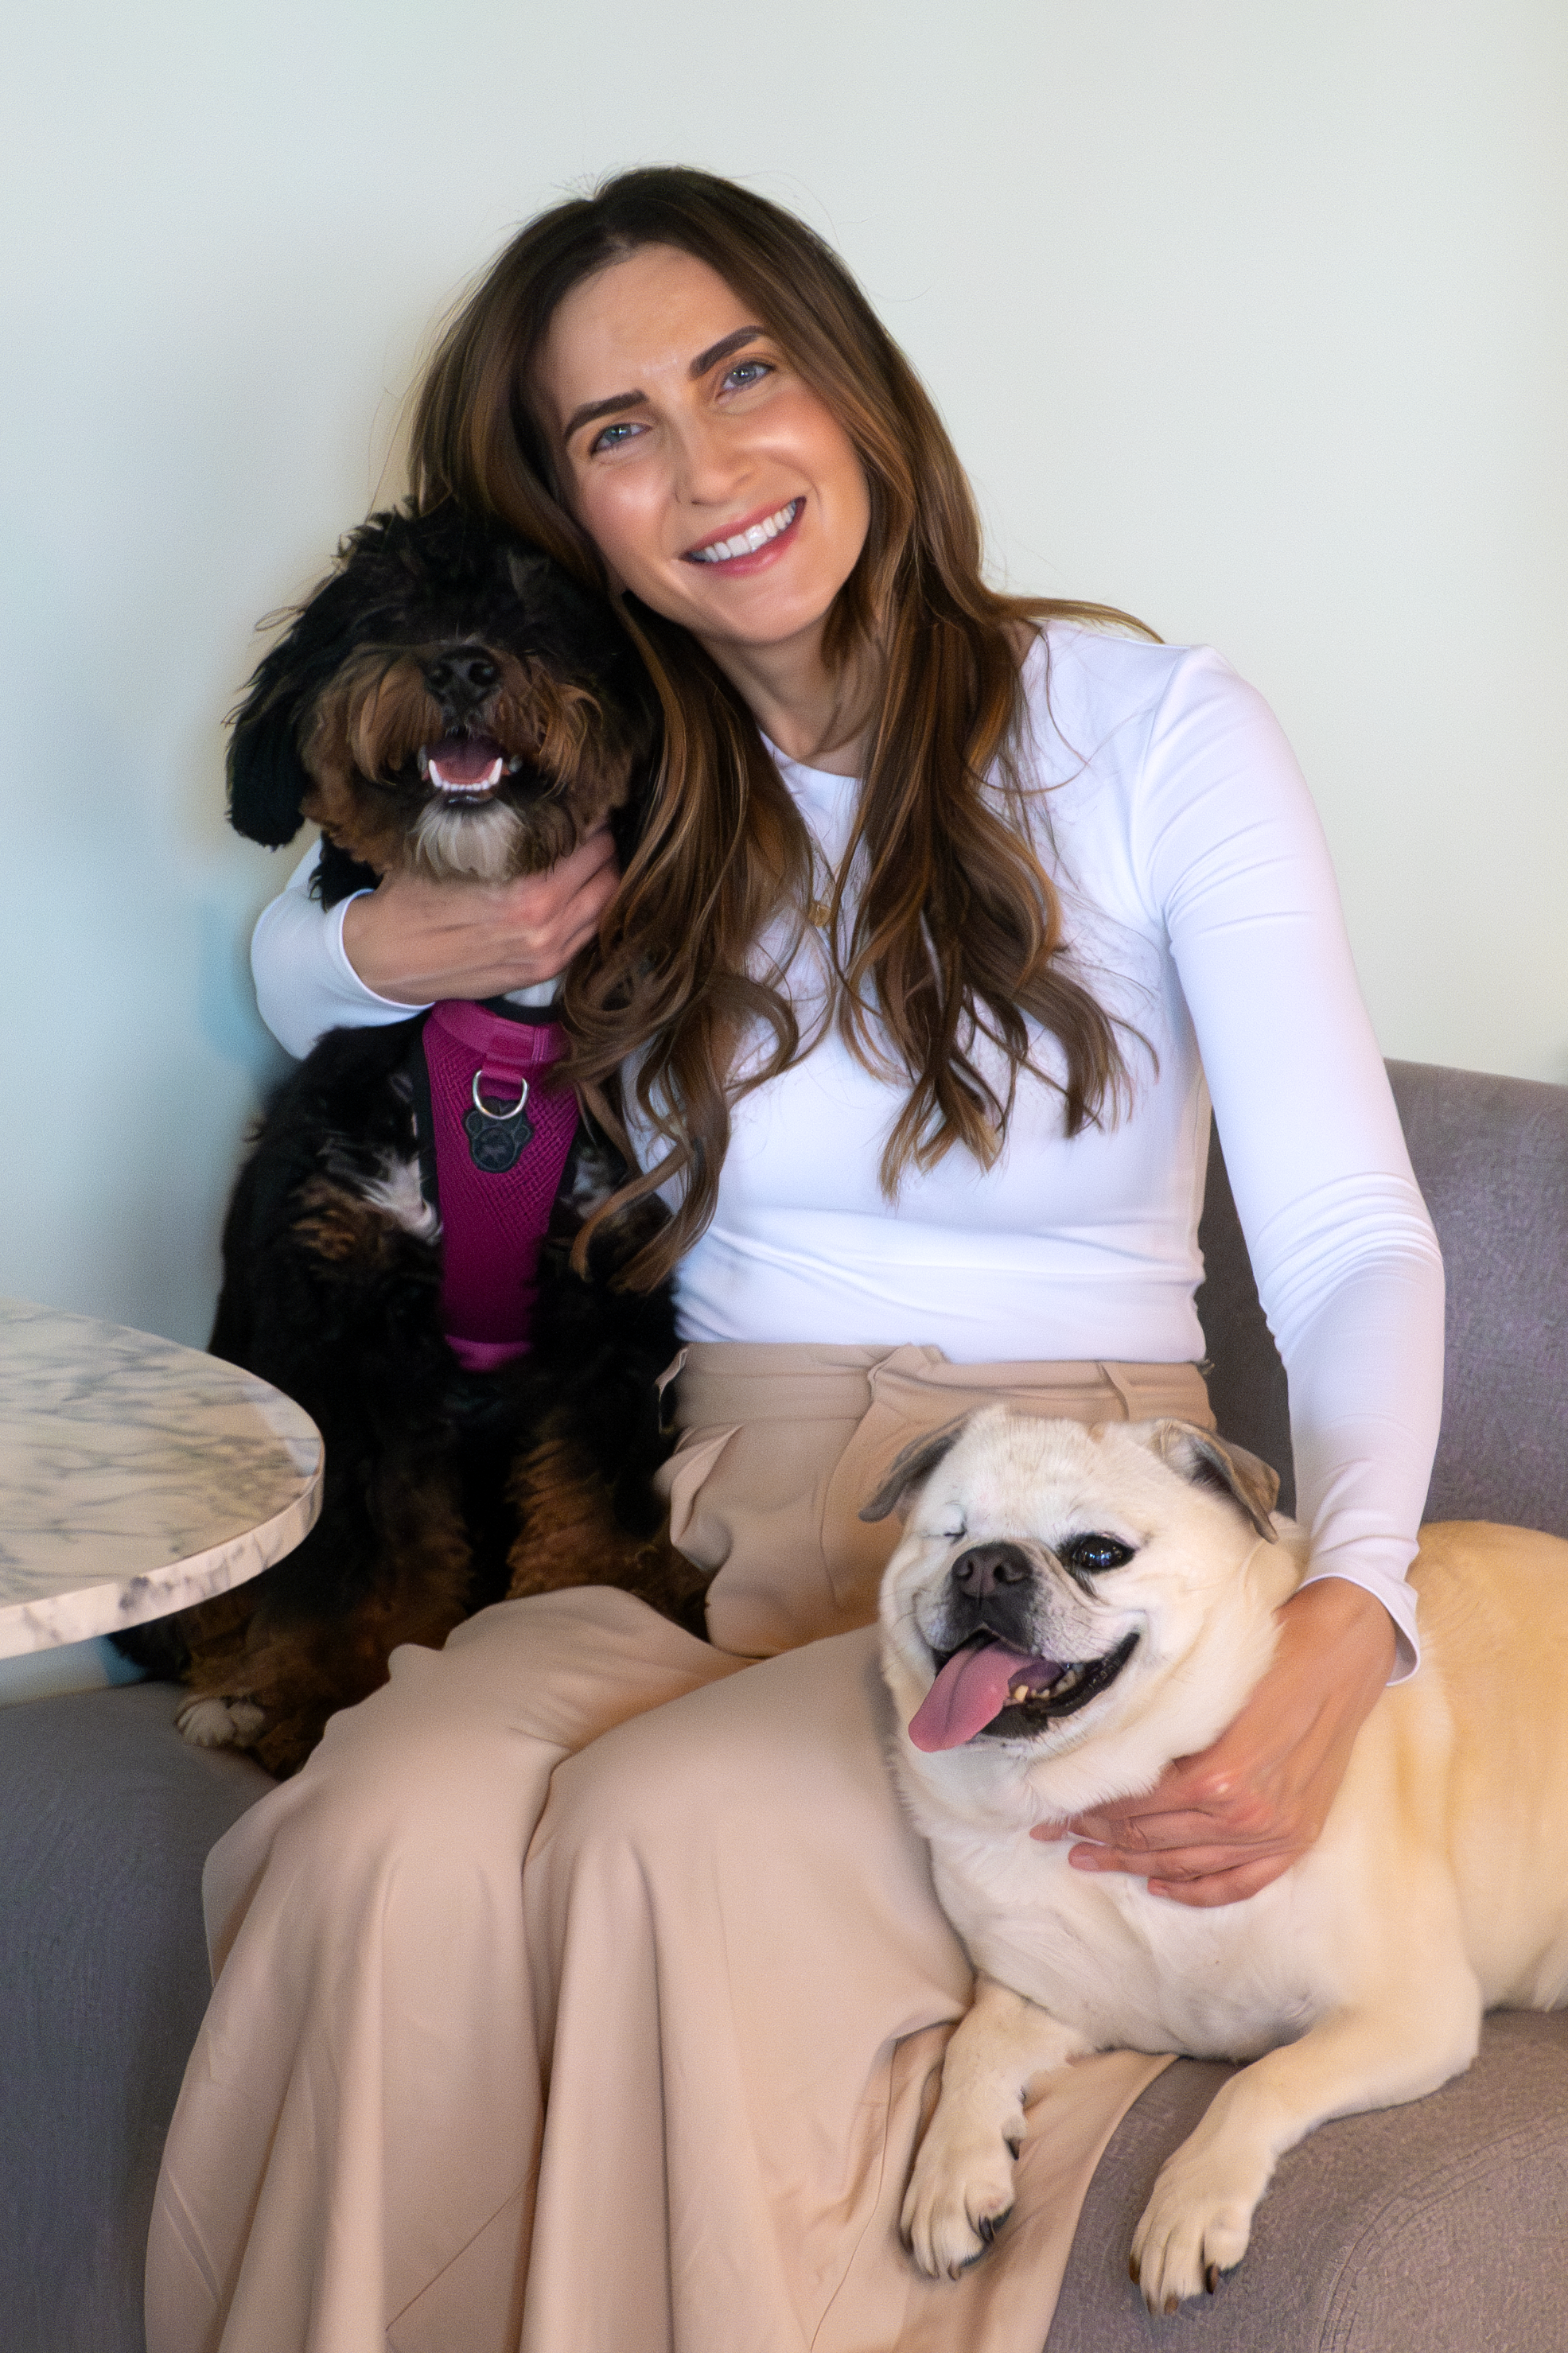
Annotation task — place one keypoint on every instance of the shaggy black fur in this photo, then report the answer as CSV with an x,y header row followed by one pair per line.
x,y
445,1489
412,596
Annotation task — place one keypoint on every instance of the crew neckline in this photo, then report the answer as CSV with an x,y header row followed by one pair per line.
x,y
782,759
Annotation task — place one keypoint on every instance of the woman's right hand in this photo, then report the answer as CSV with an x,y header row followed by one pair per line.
x,y
414,940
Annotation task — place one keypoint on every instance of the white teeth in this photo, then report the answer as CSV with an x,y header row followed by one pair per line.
x,y
468,788
746,543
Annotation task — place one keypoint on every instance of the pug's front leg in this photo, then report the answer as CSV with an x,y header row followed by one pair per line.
x,y
1198,2221
960,2191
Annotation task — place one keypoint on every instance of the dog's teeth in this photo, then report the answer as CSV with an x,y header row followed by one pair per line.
x,y
1018,1691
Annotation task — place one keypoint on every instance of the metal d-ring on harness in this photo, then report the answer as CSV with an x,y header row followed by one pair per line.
x,y
496,1137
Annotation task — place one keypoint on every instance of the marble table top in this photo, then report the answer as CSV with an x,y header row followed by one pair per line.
x,y
135,1477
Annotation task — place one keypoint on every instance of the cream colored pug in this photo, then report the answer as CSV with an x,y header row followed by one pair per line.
x,y
1069,1610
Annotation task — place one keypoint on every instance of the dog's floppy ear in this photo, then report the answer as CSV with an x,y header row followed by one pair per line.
x,y
909,1468
529,569
1205,1461
266,778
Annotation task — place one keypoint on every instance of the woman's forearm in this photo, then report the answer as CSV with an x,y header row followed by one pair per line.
x,y
375,957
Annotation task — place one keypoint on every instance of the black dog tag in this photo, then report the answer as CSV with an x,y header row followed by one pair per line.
x,y
495,1139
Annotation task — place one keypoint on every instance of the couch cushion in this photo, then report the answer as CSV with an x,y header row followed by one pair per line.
x,y
1490,1156
108,1818
1437,2225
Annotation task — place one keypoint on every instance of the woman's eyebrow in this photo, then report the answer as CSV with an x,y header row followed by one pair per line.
x,y
722,350
592,409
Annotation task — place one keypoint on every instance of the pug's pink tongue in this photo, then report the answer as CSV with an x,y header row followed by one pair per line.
x,y
972,1688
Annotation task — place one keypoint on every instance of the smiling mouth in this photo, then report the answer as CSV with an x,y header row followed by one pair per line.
x,y
987,1690
749,541
466,767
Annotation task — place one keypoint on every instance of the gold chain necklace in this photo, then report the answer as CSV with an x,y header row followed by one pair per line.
x,y
819,908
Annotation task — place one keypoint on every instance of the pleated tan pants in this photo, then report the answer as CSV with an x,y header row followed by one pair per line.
x,y
659,2093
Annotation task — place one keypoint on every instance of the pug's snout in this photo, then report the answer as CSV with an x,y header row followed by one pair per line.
x,y
985,1568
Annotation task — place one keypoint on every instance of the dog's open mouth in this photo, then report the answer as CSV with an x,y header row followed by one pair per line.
x,y
987,1686
466,767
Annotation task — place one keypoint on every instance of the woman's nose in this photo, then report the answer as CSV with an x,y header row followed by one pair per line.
x,y
712,463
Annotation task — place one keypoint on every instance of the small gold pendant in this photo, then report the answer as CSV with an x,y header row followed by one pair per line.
x,y
819,913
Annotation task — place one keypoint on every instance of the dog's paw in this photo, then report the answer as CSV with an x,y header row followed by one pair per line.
x,y
960,2194
1195,2226
211,1723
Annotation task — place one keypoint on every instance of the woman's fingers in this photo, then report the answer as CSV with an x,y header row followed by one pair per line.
x,y
1233,1885
589,879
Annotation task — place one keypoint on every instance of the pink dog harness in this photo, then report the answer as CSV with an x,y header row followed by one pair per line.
x,y
501,1153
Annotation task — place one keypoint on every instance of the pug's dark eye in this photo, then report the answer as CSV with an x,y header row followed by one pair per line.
x,y
1090,1555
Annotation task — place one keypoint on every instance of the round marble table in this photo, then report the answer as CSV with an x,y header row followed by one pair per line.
x,y
135,1477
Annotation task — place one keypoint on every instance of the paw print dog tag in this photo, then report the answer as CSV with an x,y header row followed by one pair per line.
x,y
495,1137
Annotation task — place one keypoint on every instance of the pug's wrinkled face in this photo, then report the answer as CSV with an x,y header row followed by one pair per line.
x,y
1051,1574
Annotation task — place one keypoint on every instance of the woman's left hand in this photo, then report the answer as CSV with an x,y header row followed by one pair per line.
x,y
1218,1826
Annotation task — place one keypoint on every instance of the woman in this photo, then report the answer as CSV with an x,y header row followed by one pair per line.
x,y
946,907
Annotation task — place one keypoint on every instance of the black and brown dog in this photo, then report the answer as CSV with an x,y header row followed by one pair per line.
x,y
449,702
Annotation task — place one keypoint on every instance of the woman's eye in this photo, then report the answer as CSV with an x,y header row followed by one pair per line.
x,y
744,373
613,437
1091,1554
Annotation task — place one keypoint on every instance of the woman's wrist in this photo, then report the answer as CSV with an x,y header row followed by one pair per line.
x,y
377,948
1333,1618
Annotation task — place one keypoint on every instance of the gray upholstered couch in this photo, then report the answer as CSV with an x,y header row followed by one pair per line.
x,y
1440,2226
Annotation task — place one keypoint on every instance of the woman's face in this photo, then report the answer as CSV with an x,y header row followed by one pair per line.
x,y
718,486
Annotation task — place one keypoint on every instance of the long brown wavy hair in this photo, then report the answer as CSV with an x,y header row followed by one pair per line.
x,y
957,933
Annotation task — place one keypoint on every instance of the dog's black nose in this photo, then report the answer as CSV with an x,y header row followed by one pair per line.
x,y
985,1568
465,669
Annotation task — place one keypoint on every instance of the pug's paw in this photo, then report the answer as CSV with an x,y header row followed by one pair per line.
x,y
959,2195
1196,2225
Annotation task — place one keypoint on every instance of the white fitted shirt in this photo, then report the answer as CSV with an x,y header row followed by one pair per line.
x,y
1201,909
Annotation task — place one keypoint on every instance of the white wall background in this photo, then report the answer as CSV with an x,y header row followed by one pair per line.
x,y
1248,314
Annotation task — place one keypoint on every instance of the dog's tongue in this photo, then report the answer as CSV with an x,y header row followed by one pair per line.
x,y
972,1688
464,759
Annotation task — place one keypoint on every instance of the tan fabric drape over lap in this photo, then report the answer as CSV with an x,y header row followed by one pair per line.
x,y
727,1963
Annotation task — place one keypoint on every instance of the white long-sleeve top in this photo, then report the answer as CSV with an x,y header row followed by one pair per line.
x,y
1201,908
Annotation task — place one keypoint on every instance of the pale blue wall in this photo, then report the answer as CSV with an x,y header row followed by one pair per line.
x,y
1248,317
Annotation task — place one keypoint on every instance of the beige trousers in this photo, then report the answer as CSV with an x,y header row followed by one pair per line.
x,y
659,2094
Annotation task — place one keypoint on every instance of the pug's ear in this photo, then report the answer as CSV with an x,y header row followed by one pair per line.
x,y
913,1467
1205,1461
